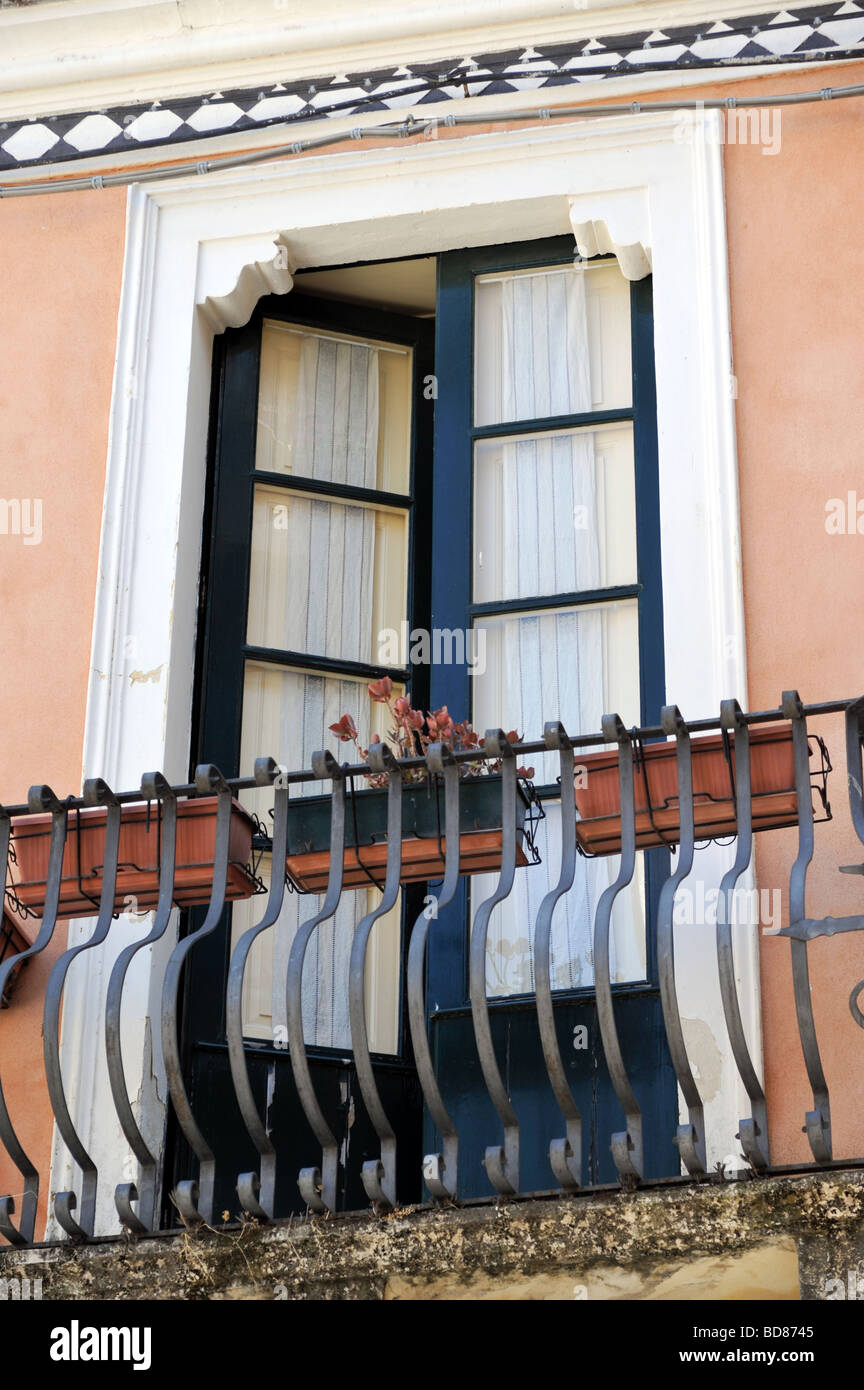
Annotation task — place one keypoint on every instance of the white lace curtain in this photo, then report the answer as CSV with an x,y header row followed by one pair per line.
x,y
336,417
330,545
319,571
548,664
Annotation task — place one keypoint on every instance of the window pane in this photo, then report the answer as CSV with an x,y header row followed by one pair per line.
x,y
286,714
554,513
572,664
325,971
334,407
326,577
552,342
510,943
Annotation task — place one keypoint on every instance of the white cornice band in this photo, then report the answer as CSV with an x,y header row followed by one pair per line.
x,y
105,50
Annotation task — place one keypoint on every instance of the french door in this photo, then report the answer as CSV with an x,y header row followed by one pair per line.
x,y
534,529
317,543
546,437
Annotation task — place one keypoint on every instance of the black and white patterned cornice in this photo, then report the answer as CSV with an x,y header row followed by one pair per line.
x,y
812,33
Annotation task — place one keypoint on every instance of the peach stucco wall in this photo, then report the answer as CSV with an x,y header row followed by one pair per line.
x,y
797,309
62,264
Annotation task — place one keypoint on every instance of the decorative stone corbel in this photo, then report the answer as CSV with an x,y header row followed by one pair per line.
x,y
621,226
248,269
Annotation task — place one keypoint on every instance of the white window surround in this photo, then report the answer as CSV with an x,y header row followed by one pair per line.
x,y
199,254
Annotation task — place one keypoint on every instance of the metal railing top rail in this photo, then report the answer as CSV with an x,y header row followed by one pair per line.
x,y
299,775
136,1203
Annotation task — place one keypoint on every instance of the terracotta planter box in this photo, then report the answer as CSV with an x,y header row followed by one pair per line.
x,y
423,842
138,859
14,938
772,773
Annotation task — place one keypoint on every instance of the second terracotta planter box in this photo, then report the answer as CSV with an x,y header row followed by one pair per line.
x,y
138,859
772,771
423,842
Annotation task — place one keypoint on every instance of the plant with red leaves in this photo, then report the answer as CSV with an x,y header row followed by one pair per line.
x,y
413,732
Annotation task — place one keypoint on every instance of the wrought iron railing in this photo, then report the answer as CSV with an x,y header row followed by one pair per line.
x,y
64,823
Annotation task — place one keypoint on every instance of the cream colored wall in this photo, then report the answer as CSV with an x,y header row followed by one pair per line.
x,y
766,1273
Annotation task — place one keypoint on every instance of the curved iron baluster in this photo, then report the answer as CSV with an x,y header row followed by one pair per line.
x,y
256,1191
40,799
817,1122
855,782
318,1186
752,1131
626,1146
808,928
440,1170
96,793
565,1155
690,1137
378,1174
854,720
501,1161
195,1199
154,787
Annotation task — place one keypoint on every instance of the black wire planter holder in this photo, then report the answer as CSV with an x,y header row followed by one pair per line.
x,y
423,840
140,855
773,794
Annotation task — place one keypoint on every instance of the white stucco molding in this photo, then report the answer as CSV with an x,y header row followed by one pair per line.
x,y
271,274
624,232
620,225
199,251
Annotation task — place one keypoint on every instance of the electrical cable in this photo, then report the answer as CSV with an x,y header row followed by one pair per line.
x,y
411,126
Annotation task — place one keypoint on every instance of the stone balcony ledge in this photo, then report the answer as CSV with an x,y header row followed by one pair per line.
x,y
776,1238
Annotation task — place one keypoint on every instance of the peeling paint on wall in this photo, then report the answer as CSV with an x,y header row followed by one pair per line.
x,y
142,677
706,1060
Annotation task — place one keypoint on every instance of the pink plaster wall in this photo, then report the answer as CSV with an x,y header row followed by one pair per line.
x,y
797,308
62,263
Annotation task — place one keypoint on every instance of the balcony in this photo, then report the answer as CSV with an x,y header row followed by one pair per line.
x,y
80,858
